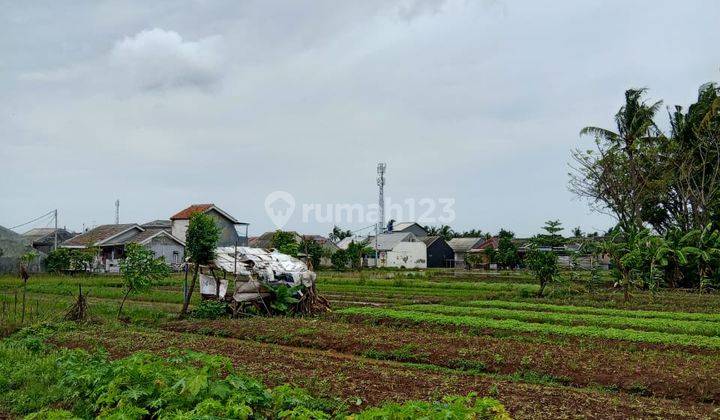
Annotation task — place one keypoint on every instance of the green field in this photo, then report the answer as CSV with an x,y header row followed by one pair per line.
x,y
393,336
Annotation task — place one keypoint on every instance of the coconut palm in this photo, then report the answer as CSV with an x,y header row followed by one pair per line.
x,y
618,176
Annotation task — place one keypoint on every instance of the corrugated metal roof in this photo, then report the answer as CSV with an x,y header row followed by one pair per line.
x,y
464,244
344,243
402,225
388,241
430,239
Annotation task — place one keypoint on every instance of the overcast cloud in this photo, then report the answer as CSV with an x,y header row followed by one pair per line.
x,y
166,103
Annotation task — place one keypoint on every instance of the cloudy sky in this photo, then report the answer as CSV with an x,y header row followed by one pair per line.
x,y
165,103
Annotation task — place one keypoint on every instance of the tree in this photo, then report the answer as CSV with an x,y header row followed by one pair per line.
x,y
444,231
544,266
551,238
506,255
202,238
619,177
577,232
338,234
286,243
690,198
340,259
58,260
702,250
140,270
312,250
491,254
356,251
2,252
70,259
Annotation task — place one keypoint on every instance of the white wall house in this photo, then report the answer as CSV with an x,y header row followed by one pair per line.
x,y
400,249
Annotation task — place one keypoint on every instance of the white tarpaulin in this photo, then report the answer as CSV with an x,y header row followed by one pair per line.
x,y
208,286
261,266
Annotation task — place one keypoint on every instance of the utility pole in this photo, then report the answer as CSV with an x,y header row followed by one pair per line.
x,y
117,212
381,207
56,228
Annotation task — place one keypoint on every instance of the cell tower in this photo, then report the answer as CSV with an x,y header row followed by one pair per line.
x,y
381,195
117,212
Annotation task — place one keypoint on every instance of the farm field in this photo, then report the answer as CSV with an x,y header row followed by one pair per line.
x,y
396,337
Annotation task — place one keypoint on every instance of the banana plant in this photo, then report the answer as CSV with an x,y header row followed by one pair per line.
x,y
703,248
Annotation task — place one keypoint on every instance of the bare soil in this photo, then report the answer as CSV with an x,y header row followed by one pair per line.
x,y
642,369
332,374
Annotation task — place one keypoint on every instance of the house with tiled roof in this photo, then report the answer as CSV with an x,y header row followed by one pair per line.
x,y
232,231
111,240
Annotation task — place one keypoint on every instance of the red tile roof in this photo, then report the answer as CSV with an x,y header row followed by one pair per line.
x,y
195,208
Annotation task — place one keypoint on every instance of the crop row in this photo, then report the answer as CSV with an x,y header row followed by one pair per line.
x,y
530,327
545,307
647,324
425,284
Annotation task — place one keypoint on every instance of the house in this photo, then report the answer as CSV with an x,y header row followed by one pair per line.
x,y
159,224
43,239
12,247
439,253
396,249
481,248
462,246
328,246
110,240
265,241
408,227
232,232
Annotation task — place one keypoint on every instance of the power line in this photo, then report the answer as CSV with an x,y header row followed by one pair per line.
x,y
33,220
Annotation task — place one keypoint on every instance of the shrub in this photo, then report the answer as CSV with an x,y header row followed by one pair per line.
x,y
210,309
182,384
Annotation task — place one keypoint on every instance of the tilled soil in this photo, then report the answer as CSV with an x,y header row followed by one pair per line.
x,y
334,374
644,369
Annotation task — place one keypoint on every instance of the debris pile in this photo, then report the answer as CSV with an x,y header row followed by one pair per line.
x,y
265,282
78,312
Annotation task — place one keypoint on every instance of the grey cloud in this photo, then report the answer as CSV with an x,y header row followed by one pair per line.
x,y
480,101
161,59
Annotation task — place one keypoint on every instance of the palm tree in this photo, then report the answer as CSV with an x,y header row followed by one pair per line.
x,y
446,232
619,180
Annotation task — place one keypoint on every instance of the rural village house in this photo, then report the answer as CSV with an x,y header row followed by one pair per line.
x,y
439,253
232,231
408,227
462,246
112,239
43,239
394,249
265,241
